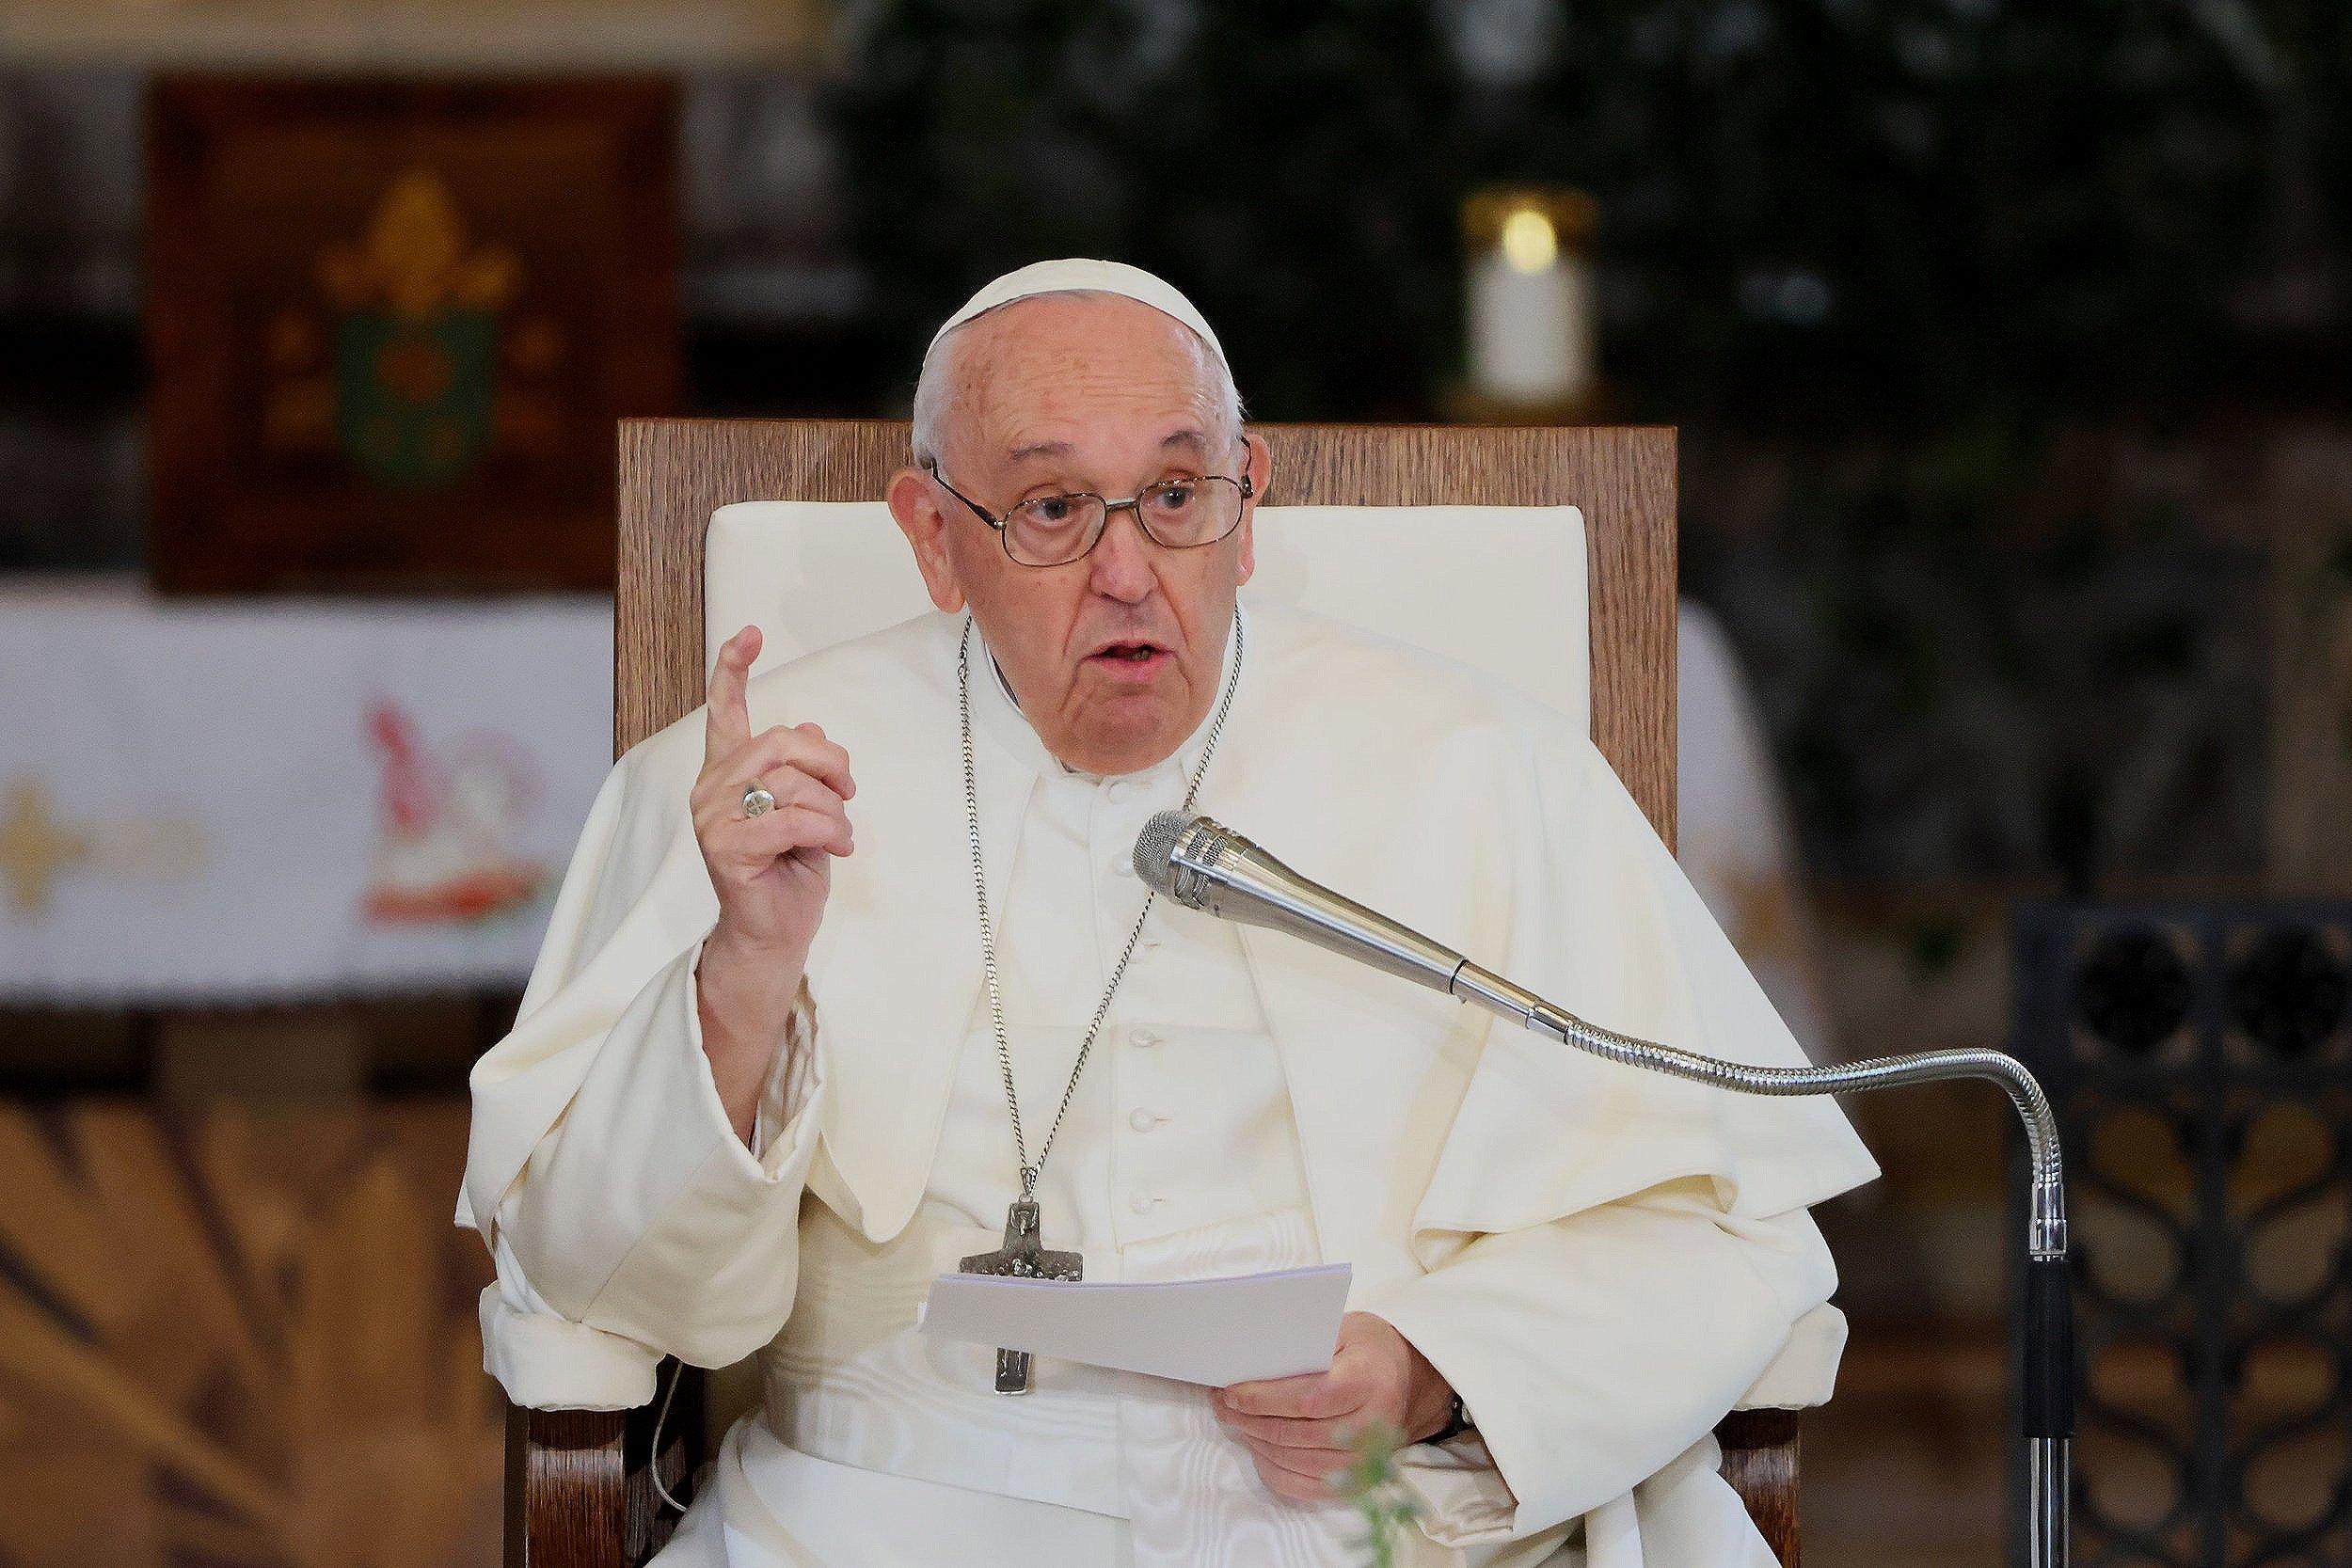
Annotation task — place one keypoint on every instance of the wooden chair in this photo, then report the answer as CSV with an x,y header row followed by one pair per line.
x,y
579,1488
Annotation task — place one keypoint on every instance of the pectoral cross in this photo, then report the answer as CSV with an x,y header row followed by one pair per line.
x,y
1022,1256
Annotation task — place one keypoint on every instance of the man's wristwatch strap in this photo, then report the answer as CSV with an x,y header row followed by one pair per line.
x,y
1456,1424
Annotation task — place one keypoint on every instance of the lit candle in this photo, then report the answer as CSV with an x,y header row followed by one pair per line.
x,y
1530,297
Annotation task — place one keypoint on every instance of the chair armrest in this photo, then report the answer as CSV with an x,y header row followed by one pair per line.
x,y
1759,1436
579,1493
1760,1462
578,1482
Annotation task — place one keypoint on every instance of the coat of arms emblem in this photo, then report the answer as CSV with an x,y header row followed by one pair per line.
x,y
415,338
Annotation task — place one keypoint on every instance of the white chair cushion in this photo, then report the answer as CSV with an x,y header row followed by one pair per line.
x,y
1500,588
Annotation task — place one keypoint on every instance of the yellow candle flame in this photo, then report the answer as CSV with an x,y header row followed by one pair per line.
x,y
1529,244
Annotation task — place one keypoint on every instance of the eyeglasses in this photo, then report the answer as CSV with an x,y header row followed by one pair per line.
x,y
1174,513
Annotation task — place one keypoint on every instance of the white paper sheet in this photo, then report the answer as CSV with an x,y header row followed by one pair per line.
x,y
1217,1332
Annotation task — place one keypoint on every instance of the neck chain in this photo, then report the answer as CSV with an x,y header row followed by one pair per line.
x,y
1023,1254
1030,1171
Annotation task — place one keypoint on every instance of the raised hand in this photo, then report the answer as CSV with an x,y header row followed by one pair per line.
x,y
771,870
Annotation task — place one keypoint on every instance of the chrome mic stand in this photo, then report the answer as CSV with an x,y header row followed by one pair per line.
x,y
1212,869
2049,1369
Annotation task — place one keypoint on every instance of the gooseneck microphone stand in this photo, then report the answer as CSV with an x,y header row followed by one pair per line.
x,y
2049,1368
1210,868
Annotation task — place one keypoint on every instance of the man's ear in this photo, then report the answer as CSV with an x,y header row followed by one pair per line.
x,y
914,506
1260,468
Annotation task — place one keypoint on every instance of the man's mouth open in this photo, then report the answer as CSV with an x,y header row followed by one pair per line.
x,y
1130,661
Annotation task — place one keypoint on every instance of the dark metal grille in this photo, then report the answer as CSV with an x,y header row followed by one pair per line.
x,y
2199,1061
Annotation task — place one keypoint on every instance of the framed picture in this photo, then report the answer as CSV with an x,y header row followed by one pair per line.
x,y
391,325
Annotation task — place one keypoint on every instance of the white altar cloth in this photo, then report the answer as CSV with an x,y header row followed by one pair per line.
x,y
194,806
254,801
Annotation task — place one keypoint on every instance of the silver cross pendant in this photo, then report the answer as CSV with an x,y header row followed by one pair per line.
x,y
1022,1256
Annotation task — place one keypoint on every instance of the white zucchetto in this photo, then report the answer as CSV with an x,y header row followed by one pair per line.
x,y
1075,275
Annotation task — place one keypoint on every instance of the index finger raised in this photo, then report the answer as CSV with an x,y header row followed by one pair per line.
x,y
727,715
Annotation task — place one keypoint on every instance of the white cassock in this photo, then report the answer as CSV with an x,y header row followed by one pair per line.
x,y
1598,1259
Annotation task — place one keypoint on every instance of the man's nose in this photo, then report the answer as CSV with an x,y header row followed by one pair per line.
x,y
1123,559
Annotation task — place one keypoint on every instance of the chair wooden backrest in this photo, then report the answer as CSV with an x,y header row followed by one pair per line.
x,y
579,1493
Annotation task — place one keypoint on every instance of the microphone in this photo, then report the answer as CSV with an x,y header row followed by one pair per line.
x,y
1204,866
1210,868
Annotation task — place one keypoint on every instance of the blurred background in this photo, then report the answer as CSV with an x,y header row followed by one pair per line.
x,y
2008,342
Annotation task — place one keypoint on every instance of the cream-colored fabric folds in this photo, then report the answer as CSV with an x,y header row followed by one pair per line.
x,y
1603,1260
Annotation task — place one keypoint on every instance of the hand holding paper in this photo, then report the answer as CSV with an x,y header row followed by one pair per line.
x,y
1215,1332
1303,1433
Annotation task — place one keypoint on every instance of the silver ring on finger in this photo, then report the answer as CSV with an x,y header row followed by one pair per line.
x,y
756,800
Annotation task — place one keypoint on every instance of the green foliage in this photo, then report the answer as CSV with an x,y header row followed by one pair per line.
x,y
2047,201
1979,660
1276,159
1881,212
1914,251
1372,1485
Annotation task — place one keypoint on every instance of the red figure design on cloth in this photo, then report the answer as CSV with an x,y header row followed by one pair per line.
x,y
443,854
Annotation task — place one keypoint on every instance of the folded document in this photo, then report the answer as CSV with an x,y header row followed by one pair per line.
x,y
1215,1332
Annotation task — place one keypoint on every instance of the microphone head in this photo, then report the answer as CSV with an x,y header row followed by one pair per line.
x,y
1155,850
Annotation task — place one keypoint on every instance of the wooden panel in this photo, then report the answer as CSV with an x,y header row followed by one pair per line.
x,y
673,473
676,472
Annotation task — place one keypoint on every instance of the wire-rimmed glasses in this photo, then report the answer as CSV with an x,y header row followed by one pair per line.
x,y
1180,513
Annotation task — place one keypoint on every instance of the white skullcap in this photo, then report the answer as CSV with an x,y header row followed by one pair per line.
x,y
1108,278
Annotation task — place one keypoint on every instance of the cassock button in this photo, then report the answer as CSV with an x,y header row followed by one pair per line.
x,y
1144,1038
1142,1120
1123,866
1122,791
1141,1202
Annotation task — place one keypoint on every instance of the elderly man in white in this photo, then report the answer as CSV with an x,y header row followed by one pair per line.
x,y
854,960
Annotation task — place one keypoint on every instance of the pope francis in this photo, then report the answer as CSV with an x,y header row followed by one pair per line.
x,y
851,979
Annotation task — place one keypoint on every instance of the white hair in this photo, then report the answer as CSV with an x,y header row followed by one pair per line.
x,y
934,400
